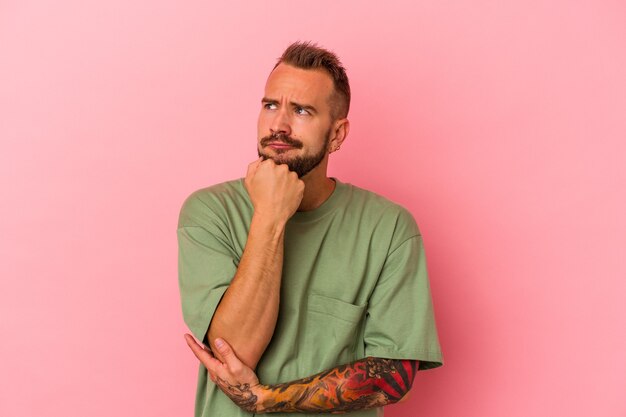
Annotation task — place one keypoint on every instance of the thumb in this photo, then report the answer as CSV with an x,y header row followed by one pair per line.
x,y
223,348
227,353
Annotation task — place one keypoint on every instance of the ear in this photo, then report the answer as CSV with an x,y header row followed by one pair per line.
x,y
341,128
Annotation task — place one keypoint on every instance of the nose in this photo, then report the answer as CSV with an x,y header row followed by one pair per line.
x,y
280,122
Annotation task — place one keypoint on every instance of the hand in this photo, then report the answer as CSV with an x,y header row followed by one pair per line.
x,y
233,377
275,191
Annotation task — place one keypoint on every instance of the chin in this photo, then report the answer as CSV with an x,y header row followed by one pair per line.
x,y
278,157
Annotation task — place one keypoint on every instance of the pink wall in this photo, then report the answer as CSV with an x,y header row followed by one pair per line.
x,y
500,125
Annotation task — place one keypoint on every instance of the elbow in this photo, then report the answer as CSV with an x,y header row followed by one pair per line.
x,y
398,386
249,357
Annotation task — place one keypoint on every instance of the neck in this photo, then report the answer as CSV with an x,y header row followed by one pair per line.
x,y
317,188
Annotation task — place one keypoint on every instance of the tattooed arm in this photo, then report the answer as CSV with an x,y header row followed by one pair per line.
x,y
366,383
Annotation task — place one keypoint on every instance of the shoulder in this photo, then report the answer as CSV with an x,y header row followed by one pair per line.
x,y
212,202
380,210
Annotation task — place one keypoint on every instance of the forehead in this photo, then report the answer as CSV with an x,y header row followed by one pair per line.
x,y
312,86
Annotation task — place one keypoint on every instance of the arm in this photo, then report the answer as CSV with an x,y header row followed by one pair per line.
x,y
366,383
247,313
258,274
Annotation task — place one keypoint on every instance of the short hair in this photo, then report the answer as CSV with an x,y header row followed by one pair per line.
x,y
307,55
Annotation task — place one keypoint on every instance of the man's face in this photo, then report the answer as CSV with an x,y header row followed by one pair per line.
x,y
294,125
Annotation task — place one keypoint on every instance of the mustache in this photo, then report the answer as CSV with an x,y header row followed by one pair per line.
x,y
281,137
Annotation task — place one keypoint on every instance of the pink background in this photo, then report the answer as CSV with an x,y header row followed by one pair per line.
x,y
500,125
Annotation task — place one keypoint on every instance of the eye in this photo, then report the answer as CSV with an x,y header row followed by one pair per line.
x,y
302,111
269,106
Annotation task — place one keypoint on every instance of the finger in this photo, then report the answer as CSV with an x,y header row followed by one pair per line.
x,y
212,376
264,161
202,354
230,359
252,167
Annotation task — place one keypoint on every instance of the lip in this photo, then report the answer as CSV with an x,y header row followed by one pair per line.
x,y
279,145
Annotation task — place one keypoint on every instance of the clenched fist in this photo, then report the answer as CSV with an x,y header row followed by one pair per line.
x,y
275,191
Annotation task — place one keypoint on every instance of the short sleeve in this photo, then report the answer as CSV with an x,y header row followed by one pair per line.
x,y
400,322
206,266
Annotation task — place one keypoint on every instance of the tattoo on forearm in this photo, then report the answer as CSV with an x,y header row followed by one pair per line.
x,y
240,394
366,383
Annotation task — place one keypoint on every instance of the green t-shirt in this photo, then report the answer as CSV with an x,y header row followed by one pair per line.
x,y
354,284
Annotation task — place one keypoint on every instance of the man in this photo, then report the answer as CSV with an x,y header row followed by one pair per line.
x,y
310,295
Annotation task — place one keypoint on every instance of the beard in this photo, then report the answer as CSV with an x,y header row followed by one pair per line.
x,y
301,165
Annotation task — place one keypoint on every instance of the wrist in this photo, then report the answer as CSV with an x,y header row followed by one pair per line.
x,y
268,224
261,392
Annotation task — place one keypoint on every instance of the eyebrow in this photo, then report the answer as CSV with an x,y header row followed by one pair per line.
x,y
308,107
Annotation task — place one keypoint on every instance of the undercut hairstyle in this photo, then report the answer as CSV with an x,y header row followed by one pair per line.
x,y
307,55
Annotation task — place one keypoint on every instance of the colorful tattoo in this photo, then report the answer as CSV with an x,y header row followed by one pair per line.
x,y
366,383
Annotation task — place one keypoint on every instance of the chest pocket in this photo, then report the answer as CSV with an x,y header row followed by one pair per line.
x,y
333,331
